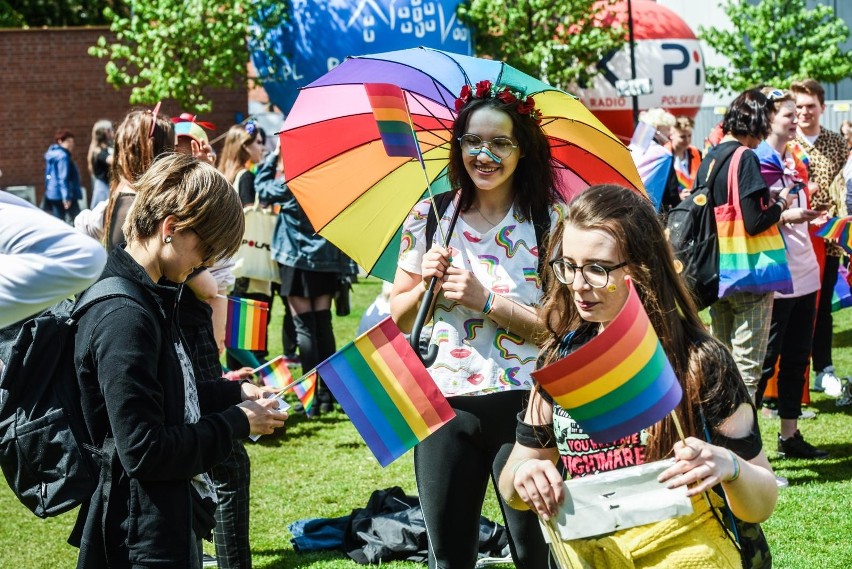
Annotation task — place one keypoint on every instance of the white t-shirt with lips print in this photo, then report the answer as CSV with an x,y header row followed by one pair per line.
x,y
475,356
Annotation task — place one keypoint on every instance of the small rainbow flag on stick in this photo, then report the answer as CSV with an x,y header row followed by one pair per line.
x,y
393,119
245,328
306,391
386,391
837,230
275,373
618,383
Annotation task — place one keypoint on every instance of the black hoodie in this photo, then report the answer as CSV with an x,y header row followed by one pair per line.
x,y
133,388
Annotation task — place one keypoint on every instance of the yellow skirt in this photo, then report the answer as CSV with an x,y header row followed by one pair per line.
x,y
696,540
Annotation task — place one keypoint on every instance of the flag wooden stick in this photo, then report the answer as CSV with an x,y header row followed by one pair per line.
x,y
557,546
267,364
678,427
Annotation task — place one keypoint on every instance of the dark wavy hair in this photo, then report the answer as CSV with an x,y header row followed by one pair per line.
x,y
749,115
534,182
699,360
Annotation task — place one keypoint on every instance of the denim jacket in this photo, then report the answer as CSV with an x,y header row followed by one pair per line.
x,y
295,242
61,177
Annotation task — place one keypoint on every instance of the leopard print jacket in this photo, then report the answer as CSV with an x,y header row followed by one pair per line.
x,y
827,156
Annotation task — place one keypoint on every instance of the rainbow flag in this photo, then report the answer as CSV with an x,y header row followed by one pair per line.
x,y
306,391
683,179
393,119
386,392
837,230
245,328
618,383
275,373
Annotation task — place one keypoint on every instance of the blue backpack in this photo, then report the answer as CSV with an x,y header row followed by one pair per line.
x,y
46,453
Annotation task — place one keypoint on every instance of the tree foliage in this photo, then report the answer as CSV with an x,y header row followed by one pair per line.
x,y
559,41
37,13
179,49
775,42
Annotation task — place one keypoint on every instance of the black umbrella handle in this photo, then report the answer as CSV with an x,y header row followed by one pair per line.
x,y
423,312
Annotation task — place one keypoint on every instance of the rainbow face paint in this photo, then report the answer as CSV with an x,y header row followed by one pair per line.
x,y
494,157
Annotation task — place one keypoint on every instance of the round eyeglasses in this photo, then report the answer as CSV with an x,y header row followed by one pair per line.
x,y
500,146
595,274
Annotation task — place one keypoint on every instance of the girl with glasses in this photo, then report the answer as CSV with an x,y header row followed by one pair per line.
x,y
485,322
610,233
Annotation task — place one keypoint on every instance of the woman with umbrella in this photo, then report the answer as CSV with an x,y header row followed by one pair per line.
x,y
485,321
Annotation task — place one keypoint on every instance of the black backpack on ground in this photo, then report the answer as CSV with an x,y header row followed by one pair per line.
x,y
46,453
540,219
691,229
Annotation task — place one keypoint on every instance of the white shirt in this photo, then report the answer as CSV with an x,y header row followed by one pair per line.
x,y
42,260
475,356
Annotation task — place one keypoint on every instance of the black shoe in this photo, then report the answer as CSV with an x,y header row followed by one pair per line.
x,y
797,447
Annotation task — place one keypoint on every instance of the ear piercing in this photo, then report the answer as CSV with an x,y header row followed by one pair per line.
x,y
168,239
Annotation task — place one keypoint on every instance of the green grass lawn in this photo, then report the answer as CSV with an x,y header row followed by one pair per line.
x,y
321,468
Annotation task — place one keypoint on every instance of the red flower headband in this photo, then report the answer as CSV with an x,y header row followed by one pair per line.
x,y
525,105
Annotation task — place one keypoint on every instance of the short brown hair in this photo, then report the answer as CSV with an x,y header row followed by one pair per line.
x,y
684,123
809,87
196,194
62,135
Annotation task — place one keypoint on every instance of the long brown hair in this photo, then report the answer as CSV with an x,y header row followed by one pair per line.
x,y
534,182
234,154
139,140
699,361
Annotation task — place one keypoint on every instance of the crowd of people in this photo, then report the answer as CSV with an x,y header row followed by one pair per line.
x,y
168,210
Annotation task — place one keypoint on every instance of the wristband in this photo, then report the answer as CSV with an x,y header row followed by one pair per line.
x,y
736,473
519,464
488,303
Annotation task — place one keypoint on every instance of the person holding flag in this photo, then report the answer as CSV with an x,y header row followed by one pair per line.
x,y
611,254
485,323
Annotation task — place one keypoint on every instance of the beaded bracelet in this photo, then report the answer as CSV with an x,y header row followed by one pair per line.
x,y
489,302
736,462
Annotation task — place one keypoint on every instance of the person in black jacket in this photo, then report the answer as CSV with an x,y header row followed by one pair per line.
x,y
160,431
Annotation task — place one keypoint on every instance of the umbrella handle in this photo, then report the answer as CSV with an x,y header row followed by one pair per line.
x,y
423,312
419,321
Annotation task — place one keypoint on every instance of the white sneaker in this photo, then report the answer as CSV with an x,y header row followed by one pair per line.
x,y
828,382
845,398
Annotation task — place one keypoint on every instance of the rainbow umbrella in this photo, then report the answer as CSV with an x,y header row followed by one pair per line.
x,y
357,197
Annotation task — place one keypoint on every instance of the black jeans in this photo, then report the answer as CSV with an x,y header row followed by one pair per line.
x,y
790,337
453,466
824,329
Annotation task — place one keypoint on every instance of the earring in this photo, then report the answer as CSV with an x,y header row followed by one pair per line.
x,y
611,287
168,239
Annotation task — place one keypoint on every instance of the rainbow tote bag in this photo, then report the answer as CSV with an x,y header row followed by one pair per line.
x,y
748,263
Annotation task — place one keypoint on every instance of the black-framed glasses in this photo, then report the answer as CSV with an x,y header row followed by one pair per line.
x,y
595,274
501,146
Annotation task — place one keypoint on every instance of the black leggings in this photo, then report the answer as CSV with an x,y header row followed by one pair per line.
x,y
824,327
453,466
315,336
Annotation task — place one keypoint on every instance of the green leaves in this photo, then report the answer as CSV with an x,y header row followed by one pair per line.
x,y
179,49
776,42
559,41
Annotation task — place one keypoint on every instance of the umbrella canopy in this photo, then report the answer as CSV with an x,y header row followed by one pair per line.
x,y
357,197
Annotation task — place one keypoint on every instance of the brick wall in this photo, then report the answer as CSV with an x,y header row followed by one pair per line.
x,y
49,81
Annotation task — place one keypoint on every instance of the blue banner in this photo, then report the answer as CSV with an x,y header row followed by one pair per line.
x,y
319,34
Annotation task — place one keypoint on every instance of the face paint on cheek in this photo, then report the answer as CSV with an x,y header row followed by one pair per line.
x,y
488,153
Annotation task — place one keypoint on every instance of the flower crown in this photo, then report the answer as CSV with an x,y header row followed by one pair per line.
x,y
525,105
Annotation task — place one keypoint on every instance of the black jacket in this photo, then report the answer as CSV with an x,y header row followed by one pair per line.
x,y
133,392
